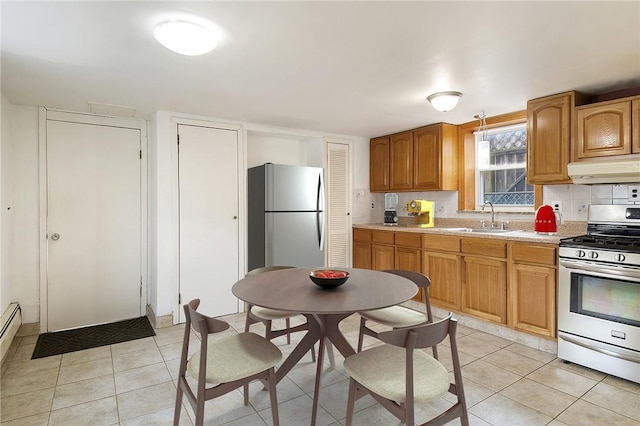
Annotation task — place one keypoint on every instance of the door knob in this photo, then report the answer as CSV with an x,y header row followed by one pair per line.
x,y
55,237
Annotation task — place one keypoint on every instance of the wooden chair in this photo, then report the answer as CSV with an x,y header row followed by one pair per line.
x,y
266,316
398,374
227,364
398,316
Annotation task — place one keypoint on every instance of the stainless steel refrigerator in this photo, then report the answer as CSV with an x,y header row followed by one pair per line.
x,y
285,216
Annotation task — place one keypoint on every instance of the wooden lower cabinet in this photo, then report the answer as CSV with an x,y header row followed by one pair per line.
x,y
484,288
361,255
532,289
511,283
443,269
408,255
382,257
362,248
441,263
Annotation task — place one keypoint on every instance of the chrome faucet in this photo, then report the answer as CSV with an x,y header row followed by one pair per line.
x,y
493,222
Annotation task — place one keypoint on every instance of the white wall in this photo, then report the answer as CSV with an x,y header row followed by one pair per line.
x,y
24,278
361,196
283,149
6,204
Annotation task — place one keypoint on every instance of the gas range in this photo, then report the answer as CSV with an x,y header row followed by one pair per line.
x,y
613,236
599,293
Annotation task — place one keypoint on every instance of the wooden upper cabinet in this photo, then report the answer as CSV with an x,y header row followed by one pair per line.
x,y
401,171
635,126
603,129
435,158
549,138
379,164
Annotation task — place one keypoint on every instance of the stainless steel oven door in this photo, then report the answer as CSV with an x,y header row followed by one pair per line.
x,y
600,302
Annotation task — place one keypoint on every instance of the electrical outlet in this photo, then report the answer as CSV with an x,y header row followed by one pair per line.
x,y
556,205
634,193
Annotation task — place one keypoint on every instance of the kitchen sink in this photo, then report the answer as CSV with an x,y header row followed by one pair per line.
x,y
492,231
480,230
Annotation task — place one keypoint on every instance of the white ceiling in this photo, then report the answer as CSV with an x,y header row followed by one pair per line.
x,y
354,68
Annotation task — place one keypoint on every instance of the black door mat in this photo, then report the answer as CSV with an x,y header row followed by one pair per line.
x,y
61,342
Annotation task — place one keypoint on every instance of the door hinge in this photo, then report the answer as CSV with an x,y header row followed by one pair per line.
x,y
141,286
178,139
141,154
179,299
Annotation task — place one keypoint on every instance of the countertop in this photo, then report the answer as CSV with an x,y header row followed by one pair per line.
x,y
566,230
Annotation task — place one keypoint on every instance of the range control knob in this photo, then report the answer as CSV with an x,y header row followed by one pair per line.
x,y
619,257
593,255
580,253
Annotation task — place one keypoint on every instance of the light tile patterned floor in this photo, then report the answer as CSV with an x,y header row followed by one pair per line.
x,y
133,383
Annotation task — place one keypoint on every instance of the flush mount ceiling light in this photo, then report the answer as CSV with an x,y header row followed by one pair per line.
x,y
185,38
444,101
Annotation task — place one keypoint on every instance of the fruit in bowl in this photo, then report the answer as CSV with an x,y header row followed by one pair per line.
x,y
329,278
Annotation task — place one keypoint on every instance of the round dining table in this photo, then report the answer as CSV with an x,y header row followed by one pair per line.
x,y
292,290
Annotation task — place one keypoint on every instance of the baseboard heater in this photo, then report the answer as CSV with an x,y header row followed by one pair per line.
x,y
11,321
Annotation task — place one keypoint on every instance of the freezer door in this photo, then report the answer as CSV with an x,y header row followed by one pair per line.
x,y
293,188
295,239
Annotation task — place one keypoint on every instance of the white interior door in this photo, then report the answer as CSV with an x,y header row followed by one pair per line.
x,y
338,206
93,224
208,191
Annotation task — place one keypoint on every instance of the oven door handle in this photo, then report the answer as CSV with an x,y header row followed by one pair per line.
x,y
601,350
622,271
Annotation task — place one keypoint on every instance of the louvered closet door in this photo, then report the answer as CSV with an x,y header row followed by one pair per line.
x,y
338,204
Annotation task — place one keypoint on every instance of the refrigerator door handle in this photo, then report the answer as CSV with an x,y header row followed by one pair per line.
x,y
320,210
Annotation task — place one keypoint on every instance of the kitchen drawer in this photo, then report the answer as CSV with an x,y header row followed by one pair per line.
x,y
528,253
484,247
362,235
441,243
383,237
408,239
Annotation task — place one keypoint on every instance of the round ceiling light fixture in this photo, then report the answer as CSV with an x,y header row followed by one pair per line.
x,y
185,38
444,101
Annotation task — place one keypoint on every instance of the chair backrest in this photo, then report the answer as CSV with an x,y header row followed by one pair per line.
x,y
421,336
419,279
266,269
201,323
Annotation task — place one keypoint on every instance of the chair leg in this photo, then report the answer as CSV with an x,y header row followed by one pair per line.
x,y
247,323
332,360
351,402
273,395
313,353
288,325
199,412
245,389
178,409
409,413
361,334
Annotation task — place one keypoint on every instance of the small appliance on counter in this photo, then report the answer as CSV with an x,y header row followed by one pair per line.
x,y
547,220
422,212
390,213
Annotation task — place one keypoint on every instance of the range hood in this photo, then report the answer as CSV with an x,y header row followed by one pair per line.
x,y
605,171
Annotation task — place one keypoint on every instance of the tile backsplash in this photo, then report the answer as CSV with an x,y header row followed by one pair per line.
x,y
573,201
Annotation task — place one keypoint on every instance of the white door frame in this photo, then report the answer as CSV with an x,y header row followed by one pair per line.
x,y
45,114
242,183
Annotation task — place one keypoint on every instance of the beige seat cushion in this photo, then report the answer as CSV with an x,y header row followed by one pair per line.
x,y
395,316
235,357
382,370
271,314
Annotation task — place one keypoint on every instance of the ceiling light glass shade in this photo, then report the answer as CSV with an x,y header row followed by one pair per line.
x,y
444,101
186,38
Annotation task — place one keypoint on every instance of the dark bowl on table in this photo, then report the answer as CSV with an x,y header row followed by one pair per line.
x,y
323,278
